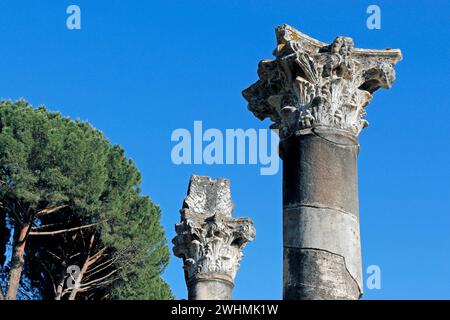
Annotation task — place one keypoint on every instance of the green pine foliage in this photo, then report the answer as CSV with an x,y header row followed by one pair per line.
x,y
49,161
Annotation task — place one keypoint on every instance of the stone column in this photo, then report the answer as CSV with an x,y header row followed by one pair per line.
x,y
210,240
316,95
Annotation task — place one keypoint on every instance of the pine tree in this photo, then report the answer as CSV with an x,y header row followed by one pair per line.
x,y
81,229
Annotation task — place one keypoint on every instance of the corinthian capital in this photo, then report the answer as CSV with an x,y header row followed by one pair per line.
x,y
209,239
310,83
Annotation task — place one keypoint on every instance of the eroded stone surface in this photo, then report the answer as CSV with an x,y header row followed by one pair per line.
x,y
312,274
320,213
311,83
209,239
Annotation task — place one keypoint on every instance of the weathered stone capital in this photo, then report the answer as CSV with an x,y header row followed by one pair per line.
x,y
312,84
209,240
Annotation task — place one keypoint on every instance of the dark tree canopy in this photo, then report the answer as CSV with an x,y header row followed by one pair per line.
x,y
72,211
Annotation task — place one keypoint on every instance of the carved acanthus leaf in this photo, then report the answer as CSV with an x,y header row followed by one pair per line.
x,y
208,239
312,84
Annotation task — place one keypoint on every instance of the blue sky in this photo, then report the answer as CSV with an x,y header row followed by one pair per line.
x,y
137,70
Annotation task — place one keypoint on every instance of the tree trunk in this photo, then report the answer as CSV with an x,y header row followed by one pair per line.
x,y
17,261
4,237
60,284
83,270
3,242
77,284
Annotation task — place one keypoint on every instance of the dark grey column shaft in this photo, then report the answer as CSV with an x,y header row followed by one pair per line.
x,y
316,95
321,245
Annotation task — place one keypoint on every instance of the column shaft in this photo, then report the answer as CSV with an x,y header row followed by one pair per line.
x,y
213,287
321,242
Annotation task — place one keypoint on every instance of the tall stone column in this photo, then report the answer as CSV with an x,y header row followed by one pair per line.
x,y
316,95
210,240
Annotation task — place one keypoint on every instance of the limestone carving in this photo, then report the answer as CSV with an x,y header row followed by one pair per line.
x,y
310,83
209,239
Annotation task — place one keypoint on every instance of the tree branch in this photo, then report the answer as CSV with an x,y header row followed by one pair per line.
x,y
96,269
47,233
99,279
50,210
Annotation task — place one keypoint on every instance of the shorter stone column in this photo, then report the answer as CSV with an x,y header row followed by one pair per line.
x,y
316,94
210,240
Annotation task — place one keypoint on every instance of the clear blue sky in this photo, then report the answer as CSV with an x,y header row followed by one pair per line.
x,y
137,70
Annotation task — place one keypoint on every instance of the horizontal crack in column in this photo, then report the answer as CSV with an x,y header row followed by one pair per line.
x,y
319,206
342,145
